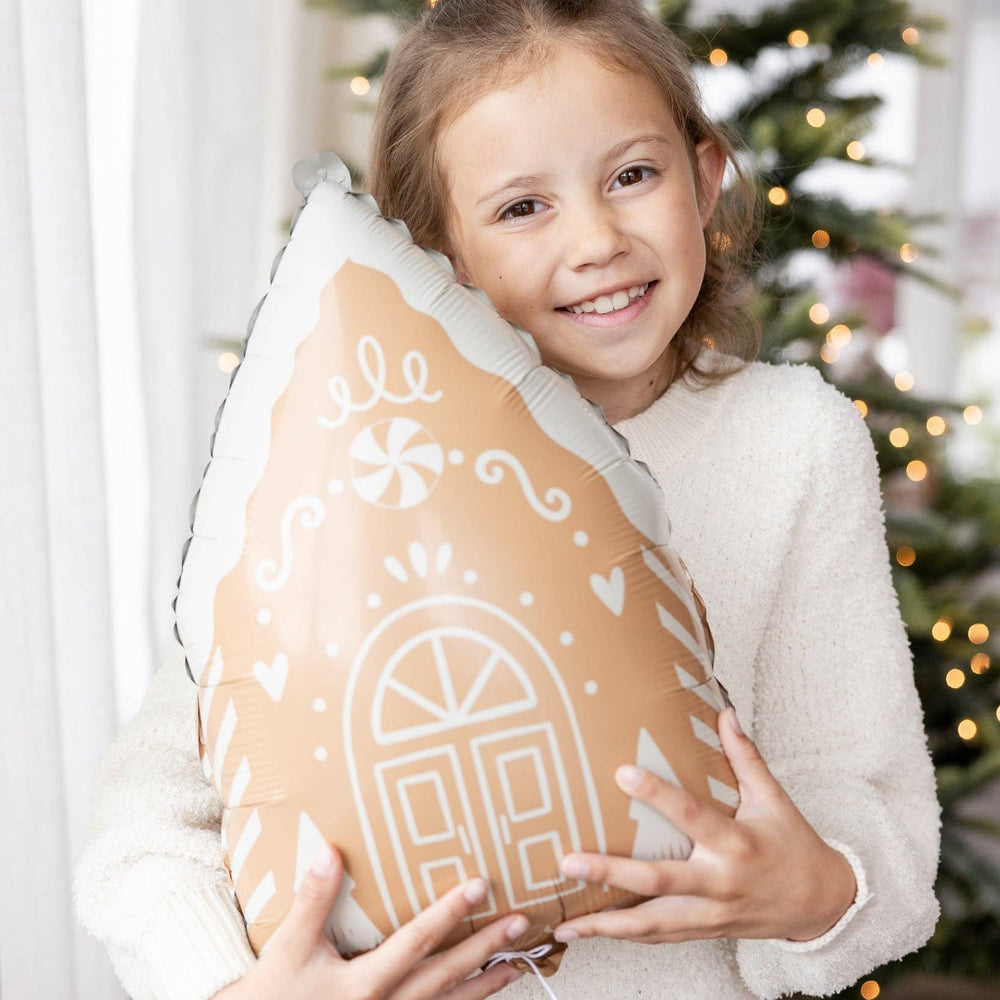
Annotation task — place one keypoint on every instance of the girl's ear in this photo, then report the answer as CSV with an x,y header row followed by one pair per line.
x,y
711,168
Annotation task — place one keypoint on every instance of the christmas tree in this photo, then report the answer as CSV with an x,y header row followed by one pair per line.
x,y
943,531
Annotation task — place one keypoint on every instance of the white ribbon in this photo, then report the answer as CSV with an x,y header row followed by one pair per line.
x,y
529,956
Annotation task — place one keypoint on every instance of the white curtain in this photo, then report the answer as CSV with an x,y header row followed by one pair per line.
x,y
124,260
57,704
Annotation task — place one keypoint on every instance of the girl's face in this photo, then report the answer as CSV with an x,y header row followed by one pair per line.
x,y
574,208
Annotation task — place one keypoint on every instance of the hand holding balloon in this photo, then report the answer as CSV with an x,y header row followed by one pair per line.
x,y
301,964
765,873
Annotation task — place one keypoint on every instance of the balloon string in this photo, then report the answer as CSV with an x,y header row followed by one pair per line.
x,y
529,956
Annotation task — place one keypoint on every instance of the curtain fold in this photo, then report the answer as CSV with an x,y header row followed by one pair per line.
x,y
57,708
228,95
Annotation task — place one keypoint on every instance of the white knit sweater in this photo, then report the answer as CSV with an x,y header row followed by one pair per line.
x,y
772,489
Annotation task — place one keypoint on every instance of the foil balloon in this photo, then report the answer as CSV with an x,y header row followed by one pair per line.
x,y
429,602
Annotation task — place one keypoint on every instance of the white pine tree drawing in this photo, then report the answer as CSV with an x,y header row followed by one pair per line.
x,y
656,837
347,925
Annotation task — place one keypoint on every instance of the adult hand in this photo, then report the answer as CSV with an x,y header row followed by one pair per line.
x,y
299,962
765,873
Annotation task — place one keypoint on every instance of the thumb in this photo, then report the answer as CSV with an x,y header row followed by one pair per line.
x,y
303,926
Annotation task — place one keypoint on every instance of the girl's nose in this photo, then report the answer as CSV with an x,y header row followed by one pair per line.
x,y
596,238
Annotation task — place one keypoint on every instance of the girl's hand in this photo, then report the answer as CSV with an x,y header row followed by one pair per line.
x,y
299,963
765,873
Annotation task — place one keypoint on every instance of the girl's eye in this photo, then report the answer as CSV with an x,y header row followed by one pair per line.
x,y
633,175
519,210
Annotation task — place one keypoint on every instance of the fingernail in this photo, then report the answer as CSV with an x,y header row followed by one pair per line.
x,y
576,868
628,776
517,927
475,891
565,935
735,722
323,862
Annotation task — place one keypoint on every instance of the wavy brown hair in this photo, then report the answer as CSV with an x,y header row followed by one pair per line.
x,y
462,49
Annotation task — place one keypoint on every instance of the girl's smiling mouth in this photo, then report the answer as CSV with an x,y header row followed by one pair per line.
x,y
621,306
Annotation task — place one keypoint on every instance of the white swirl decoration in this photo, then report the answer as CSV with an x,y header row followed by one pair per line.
x,y
395,463
559,504
311,512
371,361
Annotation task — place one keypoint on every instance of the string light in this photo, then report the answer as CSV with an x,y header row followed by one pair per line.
x,y
941,629
936,425
819,313
829,354
816,117
916,471
227,362
876,59
903,381
862,407
718,57
978,633
979,663
821,239
722,241
870,990
798,39
839,336
905,556
856,150
899,437
911,36
973,415
955,678
967,729
908,253
777,196
360,85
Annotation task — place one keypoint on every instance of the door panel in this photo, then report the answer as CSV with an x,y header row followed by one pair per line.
x,y
525,786
430,822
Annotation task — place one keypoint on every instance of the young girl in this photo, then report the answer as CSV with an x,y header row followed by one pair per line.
x,y
556,152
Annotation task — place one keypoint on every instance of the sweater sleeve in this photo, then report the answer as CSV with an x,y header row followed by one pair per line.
x,y
150,883
839,721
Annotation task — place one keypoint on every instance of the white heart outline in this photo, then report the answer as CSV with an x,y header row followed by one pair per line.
x,y
610,589
272,678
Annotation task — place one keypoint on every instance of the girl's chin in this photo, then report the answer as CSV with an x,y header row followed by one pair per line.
x,y
612,365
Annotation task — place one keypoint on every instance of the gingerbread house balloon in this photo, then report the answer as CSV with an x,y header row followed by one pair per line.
x,y
429,601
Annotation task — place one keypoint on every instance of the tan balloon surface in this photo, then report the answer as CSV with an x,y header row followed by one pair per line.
x,y
440,638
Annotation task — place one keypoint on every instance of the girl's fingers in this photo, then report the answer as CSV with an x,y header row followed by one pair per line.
x,y
673,920
485,984
302,928
686,811
441,973
397,956
644,878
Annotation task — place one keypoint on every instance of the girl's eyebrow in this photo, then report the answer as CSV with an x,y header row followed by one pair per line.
x,y
530,180
526,180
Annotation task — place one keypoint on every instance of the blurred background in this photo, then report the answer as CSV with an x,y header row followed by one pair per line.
x,y
145,187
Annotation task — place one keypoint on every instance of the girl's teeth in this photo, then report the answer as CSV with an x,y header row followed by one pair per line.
x,y
610,303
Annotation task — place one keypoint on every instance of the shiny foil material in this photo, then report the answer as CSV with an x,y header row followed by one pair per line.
x,y
429,601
